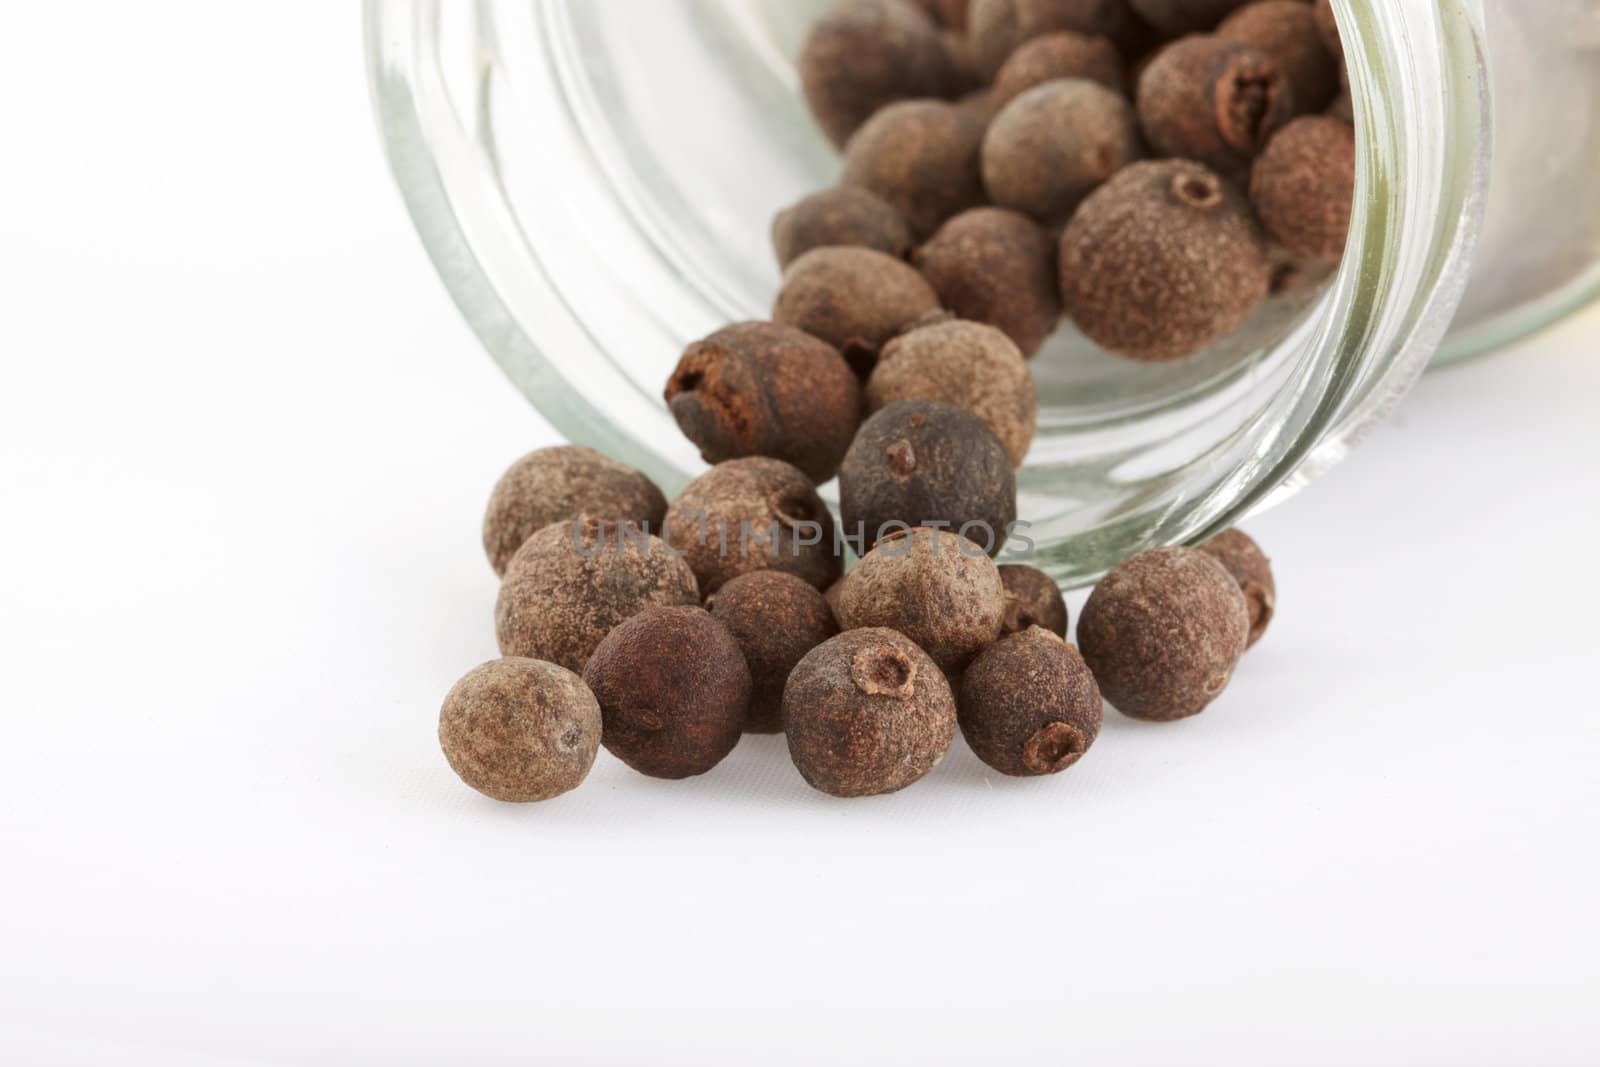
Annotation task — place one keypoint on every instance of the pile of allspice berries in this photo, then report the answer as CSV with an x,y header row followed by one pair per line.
x,y
1152,169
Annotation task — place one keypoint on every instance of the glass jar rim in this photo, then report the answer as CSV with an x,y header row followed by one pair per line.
x,y
1416,72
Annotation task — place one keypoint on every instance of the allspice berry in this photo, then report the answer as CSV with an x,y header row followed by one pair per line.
x,y
925,463
969,365
753,514
1162,260
520,730
996,266
1214,101
1029,705
864,54
1250,567
1055,56
1163,632
843,215
936,587
999,27
950,13
853,298
558,485
1173,18
921,157
571,582
776,618
673,691
867,713
1032,599
1328,26
1053,145
767,389
1303,187
1287,30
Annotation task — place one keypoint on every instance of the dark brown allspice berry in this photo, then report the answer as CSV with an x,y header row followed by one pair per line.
x,y
1214,101
967,364
776,618
996,266
921,156
1032,599
951,13
999,27
863,54
922,463
965,75
853,298
843,215
1328,26
753,514
673,690
1343,107
936,587
1029,705
1162,260
558,485
1250,567
571,582
767,389
1172,18
520,730
867,713
1053,145
1287,30
1055,56
1163,633
1303,187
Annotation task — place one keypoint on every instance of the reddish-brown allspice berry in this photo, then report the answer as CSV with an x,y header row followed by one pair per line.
x,y
571,582
1250,567
926,463
1287,30
1163,633
1055,56
1162,260
558,485
767,389
1214,101
996,266
935,587
1032,599
1053,145
843,215
853,298
1303,187
753,514
1029,705
776,618
973,366
920,156
999,27
520,730
1173,18
864,54
867,713
673,690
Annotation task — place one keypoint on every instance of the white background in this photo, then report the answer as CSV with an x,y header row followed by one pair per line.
x,y
244,444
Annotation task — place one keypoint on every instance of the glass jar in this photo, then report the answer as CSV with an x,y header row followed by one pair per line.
x,y
595,181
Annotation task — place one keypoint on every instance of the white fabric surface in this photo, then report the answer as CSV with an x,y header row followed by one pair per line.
x,y
244,441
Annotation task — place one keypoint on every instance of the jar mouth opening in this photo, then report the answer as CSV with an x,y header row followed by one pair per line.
x,y
590,218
